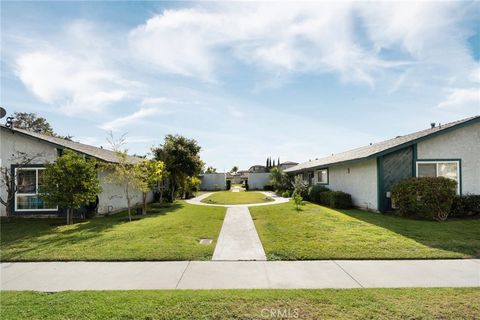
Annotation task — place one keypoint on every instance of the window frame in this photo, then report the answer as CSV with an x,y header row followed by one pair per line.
x,y
317,173
17,194
458,162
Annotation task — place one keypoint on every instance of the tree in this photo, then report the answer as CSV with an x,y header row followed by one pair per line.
x,y
8,178
125,172
150,173
70,182
211,170
234,169
273,163
300,186
34,123
31,122
182,159
297,200
280,180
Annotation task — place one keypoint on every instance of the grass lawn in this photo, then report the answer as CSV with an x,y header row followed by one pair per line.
x,y
168,233
317,232
438,303
242,197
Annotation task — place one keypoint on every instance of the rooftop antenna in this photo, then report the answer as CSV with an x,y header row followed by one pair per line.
x,y
432,125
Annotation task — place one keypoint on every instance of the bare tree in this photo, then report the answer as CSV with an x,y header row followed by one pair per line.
x,y
8,178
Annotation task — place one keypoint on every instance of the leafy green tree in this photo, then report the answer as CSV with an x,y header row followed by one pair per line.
x,y
182,159
211,170
70,182
234,169
150,173
280,180
34,123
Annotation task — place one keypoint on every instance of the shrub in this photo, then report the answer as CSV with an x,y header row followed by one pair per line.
x,y
426,197
297,200
315,191
467,205
340,200
268,187
301,187
286,194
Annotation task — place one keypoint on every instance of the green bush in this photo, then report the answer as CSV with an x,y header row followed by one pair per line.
x,y
467,205
340,200
286,194
315,191
425,197
268,187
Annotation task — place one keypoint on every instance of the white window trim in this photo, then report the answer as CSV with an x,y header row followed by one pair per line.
x,y
28,194
457,162
318,178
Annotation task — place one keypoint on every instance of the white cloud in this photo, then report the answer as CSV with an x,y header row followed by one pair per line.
x,y
302,37
74,75
135,117
462,98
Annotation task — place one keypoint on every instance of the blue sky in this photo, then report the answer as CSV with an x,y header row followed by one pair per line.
x,y
247,80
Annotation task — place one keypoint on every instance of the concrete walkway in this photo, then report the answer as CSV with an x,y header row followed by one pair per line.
x,y
60,276
238,239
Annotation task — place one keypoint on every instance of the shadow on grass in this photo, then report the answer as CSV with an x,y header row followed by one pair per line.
x,y
43,231
462,236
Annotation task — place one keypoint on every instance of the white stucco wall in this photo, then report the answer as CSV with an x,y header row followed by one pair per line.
x,y
462,143
213,181
112,198
361,182
258,180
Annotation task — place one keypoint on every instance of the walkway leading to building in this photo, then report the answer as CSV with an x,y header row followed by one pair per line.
x,y
60,276
238,239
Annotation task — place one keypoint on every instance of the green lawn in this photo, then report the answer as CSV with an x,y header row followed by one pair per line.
x,y
438,303
242,197
168,233
317,232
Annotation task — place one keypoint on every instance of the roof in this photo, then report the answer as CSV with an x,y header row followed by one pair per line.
x,y
288,162
378,148
99,153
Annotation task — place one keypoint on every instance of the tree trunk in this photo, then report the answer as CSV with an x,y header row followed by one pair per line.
x,y
128,204
160,200
144,210
69,216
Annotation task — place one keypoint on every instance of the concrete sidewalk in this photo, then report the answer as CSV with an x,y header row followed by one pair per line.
x,y
238,239
59,276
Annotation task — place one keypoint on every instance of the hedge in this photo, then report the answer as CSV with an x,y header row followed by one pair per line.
x,y
334,199
427,197
315,191
465,206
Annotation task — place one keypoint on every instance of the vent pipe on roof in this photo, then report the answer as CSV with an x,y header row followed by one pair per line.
x,y
432,125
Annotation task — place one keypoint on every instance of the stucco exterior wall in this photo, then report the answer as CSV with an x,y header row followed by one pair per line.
x,y
361,182
258,180
462,143
112,198
213,181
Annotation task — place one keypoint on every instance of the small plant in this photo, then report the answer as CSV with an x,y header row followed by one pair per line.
x,y
297,200
301,187
286,194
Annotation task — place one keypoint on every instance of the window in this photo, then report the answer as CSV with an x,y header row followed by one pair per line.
x,y
447,169
322,176
29,180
